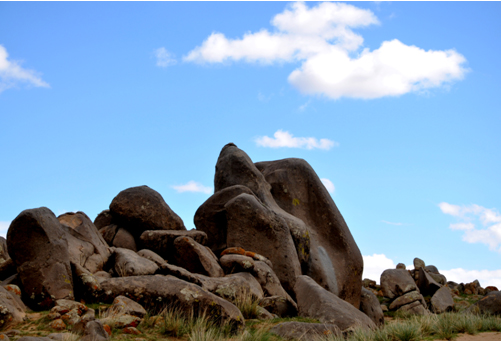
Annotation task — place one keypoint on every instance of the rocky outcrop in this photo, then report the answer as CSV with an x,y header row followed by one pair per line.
x,y
442,301
396,282
490,304
196,258
316,302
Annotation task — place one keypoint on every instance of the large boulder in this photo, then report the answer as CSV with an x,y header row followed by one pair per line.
x,y
196,258
141,208
427,285
162,241
396,282
370,306
129,263
154,291
442,301
407,298
38,245
315,302
335,262
489,304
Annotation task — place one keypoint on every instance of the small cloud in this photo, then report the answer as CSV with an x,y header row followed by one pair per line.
x,y
193,186
375,265
4,226
263,98
12,74
284,139
471,216
328,185
304,106
164,57
390,223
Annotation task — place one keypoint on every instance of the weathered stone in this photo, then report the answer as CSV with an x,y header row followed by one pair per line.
x,y
95,331
401,266
108,233
233,287
335,262
490,289
121,321
196,258
131,330
4,254
4,337
38,246
129,263
316,302
489,304
427,285
263,314
473,287
233,251
418,263
103,219
431,269
85,284
396,282
452,285
57,324
414,308
162,241
442,301
439,278
279,305
12,309
179,272
368,283
7,269
305,331
35,338
152,291
124,239
369,305
148,254
141,208
125,306
407,299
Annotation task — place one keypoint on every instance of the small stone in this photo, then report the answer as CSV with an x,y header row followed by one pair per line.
x,y
401,266
57,324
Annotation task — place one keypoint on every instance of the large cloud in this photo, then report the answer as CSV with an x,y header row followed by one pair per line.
x,y
480,224
333,61
12,74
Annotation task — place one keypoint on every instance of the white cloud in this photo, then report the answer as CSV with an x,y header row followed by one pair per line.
x,y
328,185
375,265
4,226
471,216
193,186
390,223
12,74
485,277
333,61
285,139
304,106
164,57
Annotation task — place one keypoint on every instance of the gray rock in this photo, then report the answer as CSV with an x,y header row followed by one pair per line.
x,y
108,233
103,219
129,263
153,291
196,258
316,302
401,266
233,287
489,304
418,263
280,306
414,308
442,301
407,299
439,278
162,241
150,255
427,285
94,331
431,269
125,306
125,240
12,309
396,282
305,331
369,305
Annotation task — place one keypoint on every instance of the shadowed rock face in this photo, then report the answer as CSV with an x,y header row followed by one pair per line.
x,y
335,261
38,246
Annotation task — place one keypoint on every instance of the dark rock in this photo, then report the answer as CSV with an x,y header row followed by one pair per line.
x,y
431,269
305,331
141,208
94,331
401,266
442,301
150,291
129,263
196,258
335,262
38,246
4,254
396,282
452,285
369,305
473,287
162,242
427,285
490,289
125,240
489,304
233,287
439,278
103,219
7,269
108,233
368,283
179,272
279,305
315,302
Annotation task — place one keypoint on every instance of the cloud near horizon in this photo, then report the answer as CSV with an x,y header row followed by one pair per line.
x,y
193,186
13,75
333,60
469,217
284,139
328,185
4,226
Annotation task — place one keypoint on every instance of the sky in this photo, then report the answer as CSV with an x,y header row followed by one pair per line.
x,y
394,104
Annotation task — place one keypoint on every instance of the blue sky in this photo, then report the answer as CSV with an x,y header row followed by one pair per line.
x,y
395,105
